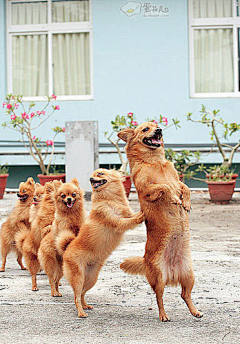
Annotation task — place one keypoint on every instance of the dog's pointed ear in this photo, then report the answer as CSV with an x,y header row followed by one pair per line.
x,y
30,181
48,187
126,134
56,184
75,182
37,185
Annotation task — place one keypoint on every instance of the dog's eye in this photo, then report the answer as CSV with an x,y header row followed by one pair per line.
x,y
74,195
145,129
24,191
100,174
63,196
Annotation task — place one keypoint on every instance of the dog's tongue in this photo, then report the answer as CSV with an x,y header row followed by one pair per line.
x,y
35,203
158,142
69,205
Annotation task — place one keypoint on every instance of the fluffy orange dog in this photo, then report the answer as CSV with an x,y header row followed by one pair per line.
x,y
69,216
18,220
167,259
38,195
28,242
102,232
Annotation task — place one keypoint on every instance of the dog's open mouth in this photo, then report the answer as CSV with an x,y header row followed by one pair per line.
x,y
69,204
23,198
153,141
35,202
96,183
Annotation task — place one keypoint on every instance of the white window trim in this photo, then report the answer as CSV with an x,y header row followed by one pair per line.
x,y
210,23
49,29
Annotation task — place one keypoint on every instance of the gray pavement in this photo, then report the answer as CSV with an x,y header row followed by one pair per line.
x,y
125,310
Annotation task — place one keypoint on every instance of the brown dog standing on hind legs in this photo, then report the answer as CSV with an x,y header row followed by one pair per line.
x,y
167,259
18,220
110,217
28,242
69,217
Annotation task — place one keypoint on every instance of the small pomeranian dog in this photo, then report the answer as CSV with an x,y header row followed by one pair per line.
x,y
28,242
102,232
69,217
38,195
165,201
18,220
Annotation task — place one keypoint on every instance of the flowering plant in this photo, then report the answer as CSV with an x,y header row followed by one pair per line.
x,y
130,121
211,120
23,119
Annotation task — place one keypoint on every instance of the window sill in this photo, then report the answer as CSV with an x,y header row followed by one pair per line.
x,y
216,95
59,98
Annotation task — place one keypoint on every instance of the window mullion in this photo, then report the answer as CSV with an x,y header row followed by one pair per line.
x,y
50,64
49,11
235,59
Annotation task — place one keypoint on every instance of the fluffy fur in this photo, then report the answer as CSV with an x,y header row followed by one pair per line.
x,y
69,217
28,243
167,259
38,195
102,232
17,221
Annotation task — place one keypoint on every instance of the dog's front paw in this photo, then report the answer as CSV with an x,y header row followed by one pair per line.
x,y
186,205
176,200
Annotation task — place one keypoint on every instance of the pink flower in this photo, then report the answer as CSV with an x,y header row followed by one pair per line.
x,y
130,114
165,121
43,112
25,116
49,142
154,121
134,123
39,112
32,114
13,117
63,129
34,137
16,105
9,106
4,103
54,97
57,107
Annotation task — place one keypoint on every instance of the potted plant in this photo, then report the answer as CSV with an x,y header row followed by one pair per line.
x,y
24,119
182,161
130,121
219,174
3,179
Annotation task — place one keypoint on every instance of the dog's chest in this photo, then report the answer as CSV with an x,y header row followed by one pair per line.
x,y
175,260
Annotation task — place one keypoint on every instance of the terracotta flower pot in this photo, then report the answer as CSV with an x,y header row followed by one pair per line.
x,y
49,178
3,183
127,185
221,192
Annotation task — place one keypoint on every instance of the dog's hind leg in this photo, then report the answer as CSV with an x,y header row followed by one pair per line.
x,y
187,285
91,276
155,280
19,260
5,249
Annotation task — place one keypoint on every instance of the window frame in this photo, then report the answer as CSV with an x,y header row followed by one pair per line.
x,y
49,29
214,23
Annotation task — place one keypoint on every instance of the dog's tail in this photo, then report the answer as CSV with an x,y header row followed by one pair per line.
x,y
63,240
20,238
134,266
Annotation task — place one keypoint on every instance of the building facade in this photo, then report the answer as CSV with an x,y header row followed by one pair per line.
x,y
108,57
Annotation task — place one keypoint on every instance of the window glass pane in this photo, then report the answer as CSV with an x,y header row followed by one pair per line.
x,y
70,11
29,13
212,8
30,65
71,64
213,60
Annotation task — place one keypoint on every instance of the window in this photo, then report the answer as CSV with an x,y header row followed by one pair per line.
x,y
214,27
49,48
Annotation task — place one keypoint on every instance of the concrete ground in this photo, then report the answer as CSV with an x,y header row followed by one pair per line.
x,y
125,310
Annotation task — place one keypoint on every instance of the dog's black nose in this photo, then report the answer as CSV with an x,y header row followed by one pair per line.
x,y
35,199
158,131
91,179
69,199
18,194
